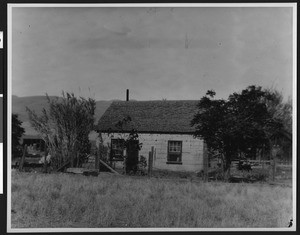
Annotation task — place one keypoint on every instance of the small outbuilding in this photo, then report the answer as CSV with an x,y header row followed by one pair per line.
x,y
164,125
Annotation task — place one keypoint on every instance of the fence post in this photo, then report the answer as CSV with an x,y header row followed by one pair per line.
x,y
152,157
275,150
23,158
152,151
150,162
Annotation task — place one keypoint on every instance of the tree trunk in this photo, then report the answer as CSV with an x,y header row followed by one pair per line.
x,y
205,162
71,157
77,159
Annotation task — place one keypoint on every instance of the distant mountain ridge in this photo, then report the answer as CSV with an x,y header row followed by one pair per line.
x,y
37,103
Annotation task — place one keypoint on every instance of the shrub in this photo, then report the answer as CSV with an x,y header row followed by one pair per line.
x,y
255,175
142,166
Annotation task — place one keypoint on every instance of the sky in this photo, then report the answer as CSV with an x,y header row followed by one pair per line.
x,y
156,53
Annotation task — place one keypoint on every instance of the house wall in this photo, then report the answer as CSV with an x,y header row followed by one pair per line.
x,y
192,150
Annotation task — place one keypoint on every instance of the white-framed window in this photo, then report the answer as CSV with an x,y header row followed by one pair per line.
x,y
174,152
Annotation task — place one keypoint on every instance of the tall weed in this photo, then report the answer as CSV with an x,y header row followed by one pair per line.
x,y
62,200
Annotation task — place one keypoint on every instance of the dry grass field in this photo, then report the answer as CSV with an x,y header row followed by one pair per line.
x,y
106,201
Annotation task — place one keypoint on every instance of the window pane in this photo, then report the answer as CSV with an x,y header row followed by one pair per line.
x,y
174,158
117,144
174,146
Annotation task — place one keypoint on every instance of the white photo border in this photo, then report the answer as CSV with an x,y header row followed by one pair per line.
x,y
9,112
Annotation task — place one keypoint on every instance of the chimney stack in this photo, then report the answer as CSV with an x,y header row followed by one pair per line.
x,y
127,94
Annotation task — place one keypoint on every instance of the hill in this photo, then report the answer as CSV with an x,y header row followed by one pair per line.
x,y
37,103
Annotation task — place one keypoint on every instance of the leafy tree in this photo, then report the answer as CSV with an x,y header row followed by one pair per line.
x,y
65,126
242,124
281,110
17,132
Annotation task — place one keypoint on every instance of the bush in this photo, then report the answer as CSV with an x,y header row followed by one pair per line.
x,y
216,174
142,166
255,175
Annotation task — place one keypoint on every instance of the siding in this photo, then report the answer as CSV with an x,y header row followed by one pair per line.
x,y
192,150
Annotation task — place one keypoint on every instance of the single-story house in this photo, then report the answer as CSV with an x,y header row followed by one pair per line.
x,y
163,124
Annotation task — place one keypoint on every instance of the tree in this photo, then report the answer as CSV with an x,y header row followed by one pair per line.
x,y
239,125
17,132
65,126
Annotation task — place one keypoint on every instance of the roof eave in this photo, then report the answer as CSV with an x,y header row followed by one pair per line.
x,y
148,132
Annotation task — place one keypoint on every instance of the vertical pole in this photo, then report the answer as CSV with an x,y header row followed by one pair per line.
x,y
274,153
205,162
149,157
273,162
23,158
152,156
127,94
150,162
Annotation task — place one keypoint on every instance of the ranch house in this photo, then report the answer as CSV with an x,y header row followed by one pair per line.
x,y
162,125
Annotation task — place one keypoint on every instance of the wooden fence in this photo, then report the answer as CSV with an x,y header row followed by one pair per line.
x,y
275,167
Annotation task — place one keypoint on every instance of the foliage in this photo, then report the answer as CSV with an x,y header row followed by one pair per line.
x,y
17,132
280,109
142,165
65,126
255,175
242,124
103,151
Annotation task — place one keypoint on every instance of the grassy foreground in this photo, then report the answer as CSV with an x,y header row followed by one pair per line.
x,y
62,200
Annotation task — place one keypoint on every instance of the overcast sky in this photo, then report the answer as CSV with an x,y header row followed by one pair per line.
x,y
172,53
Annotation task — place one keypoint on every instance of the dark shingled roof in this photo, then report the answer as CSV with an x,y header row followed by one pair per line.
x,y
163,116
